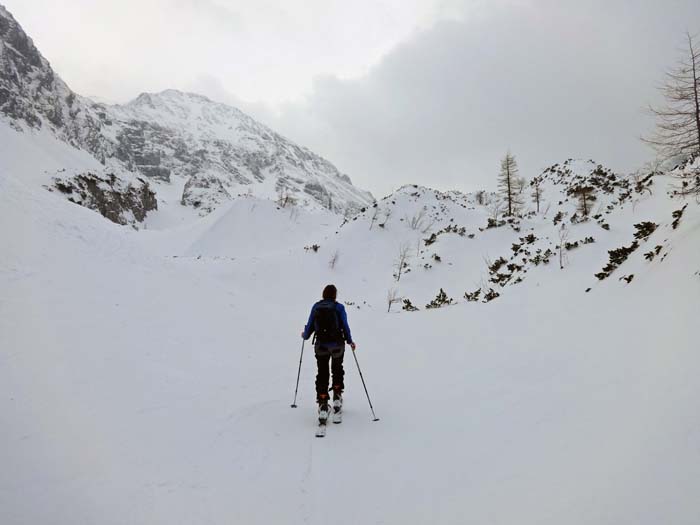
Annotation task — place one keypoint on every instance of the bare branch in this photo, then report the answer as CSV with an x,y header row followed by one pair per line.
x,y
401,263
678,122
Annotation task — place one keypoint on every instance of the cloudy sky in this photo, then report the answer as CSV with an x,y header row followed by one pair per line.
x,y
392,91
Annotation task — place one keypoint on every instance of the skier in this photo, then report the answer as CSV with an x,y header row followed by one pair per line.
x,y
330,322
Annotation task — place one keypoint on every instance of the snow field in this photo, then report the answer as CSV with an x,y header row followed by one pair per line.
x,y
141,387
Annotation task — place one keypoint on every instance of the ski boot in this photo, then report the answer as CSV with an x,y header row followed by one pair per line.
x,y
337,404
323,409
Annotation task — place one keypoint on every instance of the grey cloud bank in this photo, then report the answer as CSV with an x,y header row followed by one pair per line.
x,y
548,81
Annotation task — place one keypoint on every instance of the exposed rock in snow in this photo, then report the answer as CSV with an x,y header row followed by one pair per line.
x,y
204,192
116,200
687,176
28,87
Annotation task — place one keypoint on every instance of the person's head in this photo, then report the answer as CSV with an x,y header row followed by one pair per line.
x,y
330,292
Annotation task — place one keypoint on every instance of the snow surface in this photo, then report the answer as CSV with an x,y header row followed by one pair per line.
x,y
147,375
37,155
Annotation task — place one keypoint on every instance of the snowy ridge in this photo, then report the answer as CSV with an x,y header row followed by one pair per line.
x,y
454,244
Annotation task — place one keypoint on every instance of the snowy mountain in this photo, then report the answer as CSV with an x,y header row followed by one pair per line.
x,y
210,151
221,151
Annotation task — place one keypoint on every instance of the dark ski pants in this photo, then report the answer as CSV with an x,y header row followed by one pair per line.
x,y
324,354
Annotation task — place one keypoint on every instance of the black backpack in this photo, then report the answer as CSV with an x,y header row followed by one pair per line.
x,y
327,324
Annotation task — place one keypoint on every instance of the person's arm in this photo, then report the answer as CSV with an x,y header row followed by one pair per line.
x,y
309,328
346,326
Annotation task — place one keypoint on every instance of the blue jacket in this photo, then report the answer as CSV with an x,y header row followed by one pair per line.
x,y
309,328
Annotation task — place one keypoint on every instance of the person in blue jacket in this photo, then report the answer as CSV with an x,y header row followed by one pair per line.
x,y
330,323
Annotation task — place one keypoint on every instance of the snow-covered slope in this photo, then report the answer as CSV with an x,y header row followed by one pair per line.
x,y
452,242
147,375
212,151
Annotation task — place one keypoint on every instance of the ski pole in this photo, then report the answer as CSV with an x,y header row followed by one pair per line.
x,y
294,405
364,385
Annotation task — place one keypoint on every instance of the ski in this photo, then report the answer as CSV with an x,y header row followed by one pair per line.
x,y
337,411
322,420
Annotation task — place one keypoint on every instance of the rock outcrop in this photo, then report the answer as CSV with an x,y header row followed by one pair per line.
x,y
120,202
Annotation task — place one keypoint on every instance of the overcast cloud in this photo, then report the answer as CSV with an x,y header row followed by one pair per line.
x,y
262,50
392,92
549,81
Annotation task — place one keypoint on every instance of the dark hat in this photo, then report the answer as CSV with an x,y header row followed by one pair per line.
x,y
330,292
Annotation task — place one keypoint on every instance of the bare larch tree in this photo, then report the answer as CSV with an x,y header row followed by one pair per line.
x,y
536,192
563,237
334,260
401,262
495,209
678,122
387,216
508,184
285,197
375,214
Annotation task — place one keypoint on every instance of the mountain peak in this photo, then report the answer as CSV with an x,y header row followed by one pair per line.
x,y
4,13
169,95
214,150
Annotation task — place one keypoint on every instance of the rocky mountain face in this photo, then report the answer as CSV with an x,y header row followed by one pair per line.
x,y
215,151
221,152
33,96
27,84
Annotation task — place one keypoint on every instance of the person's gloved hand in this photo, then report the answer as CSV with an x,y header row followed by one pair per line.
x,y
353,346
